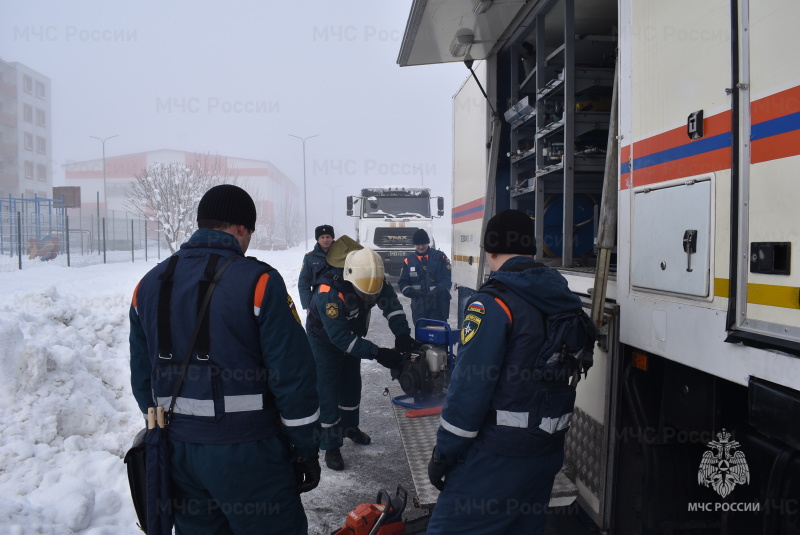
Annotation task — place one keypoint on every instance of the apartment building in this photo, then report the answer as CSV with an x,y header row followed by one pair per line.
x,y
25,132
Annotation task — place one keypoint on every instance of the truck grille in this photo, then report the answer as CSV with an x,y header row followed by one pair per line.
x,y
394,236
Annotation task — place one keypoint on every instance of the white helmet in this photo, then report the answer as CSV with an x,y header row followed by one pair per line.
x,y
364,270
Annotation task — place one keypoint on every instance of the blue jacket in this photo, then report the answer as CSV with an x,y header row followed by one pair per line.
x,y
428,272
340,316
495,401
252,371
312,262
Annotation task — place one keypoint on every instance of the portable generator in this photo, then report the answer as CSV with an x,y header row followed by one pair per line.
x,y
425,372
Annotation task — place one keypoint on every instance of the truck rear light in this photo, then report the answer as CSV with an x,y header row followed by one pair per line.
x,y
639,361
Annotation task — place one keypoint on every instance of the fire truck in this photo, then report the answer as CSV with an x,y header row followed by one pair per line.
x,y
656,146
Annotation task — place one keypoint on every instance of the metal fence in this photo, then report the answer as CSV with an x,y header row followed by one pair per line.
x,y
39,231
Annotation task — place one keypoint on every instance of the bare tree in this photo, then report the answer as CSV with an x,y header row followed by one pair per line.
x,y
266,225
289,223
169,193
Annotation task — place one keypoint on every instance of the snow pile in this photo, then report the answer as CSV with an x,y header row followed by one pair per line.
x,y
64,388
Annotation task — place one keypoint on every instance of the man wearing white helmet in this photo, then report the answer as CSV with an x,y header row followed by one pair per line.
x,y
337,322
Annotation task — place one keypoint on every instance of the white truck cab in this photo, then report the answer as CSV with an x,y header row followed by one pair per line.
x,y
389,216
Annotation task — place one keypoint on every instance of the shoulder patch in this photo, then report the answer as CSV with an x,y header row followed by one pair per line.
x,y
332,310
471,325
478,307
293,309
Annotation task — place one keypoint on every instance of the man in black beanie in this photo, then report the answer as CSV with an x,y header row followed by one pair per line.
x,y
425,278
312,262
244,429
501,438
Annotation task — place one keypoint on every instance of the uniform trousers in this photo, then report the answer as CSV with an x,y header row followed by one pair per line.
x,y
245,488
339,387
494,494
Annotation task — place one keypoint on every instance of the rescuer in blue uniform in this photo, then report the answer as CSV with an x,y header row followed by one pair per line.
x,y
312,262
501,439
425,278
244,436
337,322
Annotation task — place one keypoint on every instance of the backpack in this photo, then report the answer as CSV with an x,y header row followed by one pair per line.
x,y
568,349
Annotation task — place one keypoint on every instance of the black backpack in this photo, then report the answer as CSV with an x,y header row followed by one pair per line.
x,y
568,350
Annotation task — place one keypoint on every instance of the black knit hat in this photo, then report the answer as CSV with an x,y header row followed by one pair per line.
x,y
510,232
229,204
421,237
322,230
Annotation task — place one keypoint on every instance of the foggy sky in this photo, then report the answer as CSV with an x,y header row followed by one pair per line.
x,y
236,78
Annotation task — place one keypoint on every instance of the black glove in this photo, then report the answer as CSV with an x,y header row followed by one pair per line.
x,y
437,470
404,342
306,474
408,291
389,358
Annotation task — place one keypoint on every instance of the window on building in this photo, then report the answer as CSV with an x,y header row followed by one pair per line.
x,y
41,145
40,90
28,141
41,172
27,84
27,113
40,118
29,169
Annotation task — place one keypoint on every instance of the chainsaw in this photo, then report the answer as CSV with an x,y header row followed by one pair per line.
x,y
383,518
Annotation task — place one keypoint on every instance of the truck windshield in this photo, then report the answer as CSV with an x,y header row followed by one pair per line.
x,y
398,207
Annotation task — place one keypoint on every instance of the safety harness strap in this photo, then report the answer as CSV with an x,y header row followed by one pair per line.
x,y
164,310
203,345
193,338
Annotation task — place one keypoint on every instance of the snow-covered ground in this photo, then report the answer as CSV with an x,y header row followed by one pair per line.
x,y
68,415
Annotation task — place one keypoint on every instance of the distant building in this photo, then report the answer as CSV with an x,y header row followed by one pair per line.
x,y
25,132
270,188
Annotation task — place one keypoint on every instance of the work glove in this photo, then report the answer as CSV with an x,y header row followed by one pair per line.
x,y
389,358
437,470
306,473
404,342
408,291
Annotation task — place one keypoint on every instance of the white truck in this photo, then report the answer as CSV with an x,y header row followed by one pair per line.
x,y
683,175
389,216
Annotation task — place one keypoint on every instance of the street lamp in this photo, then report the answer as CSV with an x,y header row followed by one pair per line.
x,y
105,195
305,198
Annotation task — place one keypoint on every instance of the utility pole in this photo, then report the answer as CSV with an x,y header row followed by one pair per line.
x,y
105,195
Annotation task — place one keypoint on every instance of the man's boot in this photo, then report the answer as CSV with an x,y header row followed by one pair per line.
x,y
358,436
333,458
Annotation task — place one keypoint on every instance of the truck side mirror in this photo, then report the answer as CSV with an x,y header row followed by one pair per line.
x,y
350,205
440,205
